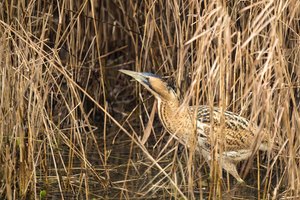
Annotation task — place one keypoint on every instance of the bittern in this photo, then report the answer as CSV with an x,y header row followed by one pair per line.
x,y
240,136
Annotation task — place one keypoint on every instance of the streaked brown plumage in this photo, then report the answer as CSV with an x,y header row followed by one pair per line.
x,y
240,137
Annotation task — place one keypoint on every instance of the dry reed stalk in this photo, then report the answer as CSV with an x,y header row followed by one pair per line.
x,y
65,125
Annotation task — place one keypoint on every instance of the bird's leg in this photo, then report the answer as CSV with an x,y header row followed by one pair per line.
x,y
227,165
231,169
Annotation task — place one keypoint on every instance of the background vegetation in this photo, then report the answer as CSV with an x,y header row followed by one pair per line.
x,y
71,124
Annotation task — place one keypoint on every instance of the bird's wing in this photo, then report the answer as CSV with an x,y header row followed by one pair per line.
x,y
235,131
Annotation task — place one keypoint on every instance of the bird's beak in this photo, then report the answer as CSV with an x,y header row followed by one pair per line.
x,y
140,77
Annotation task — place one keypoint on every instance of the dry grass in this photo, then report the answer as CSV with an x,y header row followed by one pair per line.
x,y
71,125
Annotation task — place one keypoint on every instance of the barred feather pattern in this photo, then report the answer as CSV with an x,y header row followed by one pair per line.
x,y
238,132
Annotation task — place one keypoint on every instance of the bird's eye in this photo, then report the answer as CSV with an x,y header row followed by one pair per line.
x,y
146,80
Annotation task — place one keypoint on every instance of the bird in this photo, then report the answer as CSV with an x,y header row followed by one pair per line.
x,y
192,125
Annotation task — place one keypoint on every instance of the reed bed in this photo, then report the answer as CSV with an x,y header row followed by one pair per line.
x,y
71,126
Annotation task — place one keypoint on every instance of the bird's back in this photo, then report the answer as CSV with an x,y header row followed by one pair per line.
x,y
236,132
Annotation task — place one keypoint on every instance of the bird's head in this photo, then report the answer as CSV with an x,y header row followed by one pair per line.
x,y
154,84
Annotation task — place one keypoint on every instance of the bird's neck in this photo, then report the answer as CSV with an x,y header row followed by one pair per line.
x,y
176,119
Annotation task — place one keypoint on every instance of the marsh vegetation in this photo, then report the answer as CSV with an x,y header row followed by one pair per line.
x,y
72,126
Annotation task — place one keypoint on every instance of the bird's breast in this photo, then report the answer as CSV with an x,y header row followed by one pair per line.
x,y
176,120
